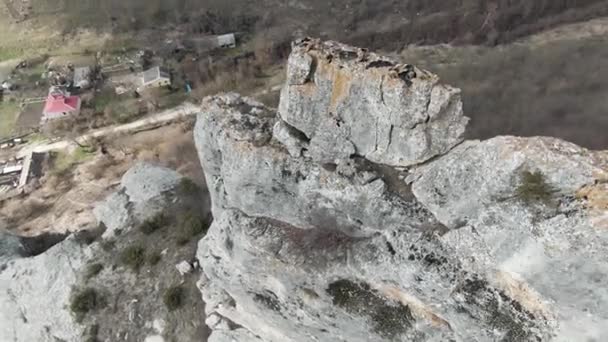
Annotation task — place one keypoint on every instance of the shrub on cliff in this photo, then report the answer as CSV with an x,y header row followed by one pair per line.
x,y
534,188
174,298
84,301
133,257
154,223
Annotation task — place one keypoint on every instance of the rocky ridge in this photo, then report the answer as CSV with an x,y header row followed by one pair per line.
x,y
40,278
356,213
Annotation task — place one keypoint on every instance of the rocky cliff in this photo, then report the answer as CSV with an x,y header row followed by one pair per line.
x,y
110,283
354,212
357,213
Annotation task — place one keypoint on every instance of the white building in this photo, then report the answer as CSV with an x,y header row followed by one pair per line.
x,y
155,77
226,40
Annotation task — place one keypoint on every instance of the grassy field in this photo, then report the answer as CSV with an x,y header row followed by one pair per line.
x,y
8,117
65,161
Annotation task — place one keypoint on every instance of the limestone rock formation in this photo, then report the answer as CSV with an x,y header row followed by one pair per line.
x,y
37,282
35,292
334,221
349,101
355,212
141,195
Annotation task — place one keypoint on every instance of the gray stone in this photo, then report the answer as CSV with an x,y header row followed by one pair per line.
x,y
390,113
292,139
144,191
331,246
236,335
259,177
10,248
35,292
184,267
299,68
113,212
144,182
549,256
463,184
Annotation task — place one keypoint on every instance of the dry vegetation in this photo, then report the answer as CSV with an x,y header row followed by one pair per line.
x,y
553,89
66,194
373,23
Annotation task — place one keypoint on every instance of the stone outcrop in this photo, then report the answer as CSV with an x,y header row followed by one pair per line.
x,y
36,284
350,101
142,194
35,292
355,213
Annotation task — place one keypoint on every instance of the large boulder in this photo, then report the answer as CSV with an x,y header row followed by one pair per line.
x,y
551,255
35,295
144,191
39,274
348,101
312,242
248,170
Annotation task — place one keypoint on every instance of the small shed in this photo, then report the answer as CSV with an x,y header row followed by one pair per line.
x,y
82,78
155,77
226,40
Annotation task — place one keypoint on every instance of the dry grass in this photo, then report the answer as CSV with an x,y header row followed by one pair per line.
x,y
9,111
553,89
71,195
22,209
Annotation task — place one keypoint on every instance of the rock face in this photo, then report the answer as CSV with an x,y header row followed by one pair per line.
x,y
141,195
321,234
349,101
36,284
35,292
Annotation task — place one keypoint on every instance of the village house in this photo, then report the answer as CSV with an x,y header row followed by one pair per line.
x,y
155,77
60,104
226,40
82,78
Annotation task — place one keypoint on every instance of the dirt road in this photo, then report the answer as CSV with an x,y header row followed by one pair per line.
x,y
183,110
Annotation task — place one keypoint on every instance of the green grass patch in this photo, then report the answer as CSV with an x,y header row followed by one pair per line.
x,y
9,111
36,137
174,297
390,319
62,161
90,334
7,53
103,99
133,257
108,245
120,45
534,188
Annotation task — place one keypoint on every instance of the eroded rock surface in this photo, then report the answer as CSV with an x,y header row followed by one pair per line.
x,y
323,234
38,283
35,292
142,193
350,101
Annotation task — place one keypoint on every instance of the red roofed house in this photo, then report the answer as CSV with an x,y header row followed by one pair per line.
x,y
60,104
